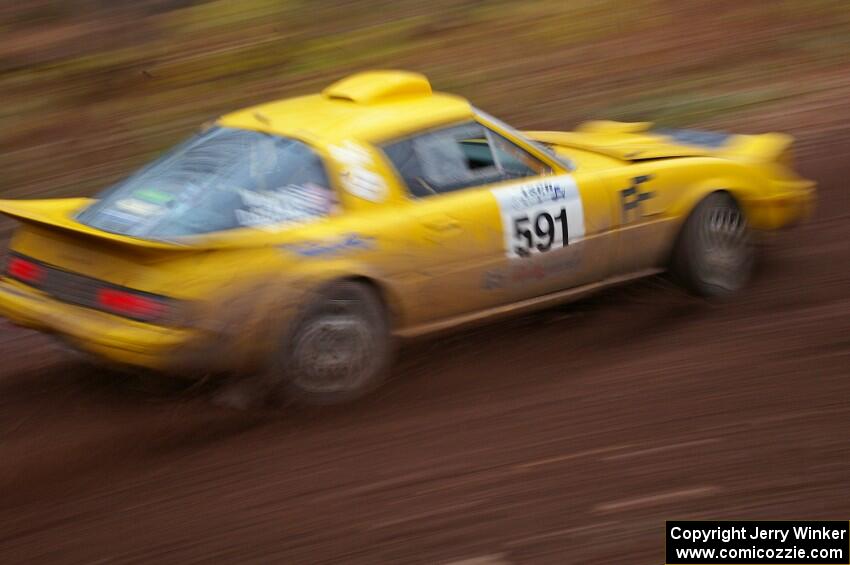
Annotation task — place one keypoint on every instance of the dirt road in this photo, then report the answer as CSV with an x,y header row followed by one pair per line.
x,y
563,437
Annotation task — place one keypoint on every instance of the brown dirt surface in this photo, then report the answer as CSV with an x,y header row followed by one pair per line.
x,y
567,436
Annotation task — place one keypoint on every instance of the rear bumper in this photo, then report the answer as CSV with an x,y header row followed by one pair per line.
x,y
789,203
112,338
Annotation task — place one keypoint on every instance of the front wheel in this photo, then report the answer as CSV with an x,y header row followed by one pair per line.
x,y
714,255
338,349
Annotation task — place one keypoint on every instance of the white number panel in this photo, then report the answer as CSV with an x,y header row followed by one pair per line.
x,y
540,215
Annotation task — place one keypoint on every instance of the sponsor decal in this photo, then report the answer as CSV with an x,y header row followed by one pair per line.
x,y
534,269
358,176
293,203
631,198
540,216
345,244
145,203
153,196
137,207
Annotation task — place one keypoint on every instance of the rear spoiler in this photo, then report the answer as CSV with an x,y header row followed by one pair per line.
x,y
763,148
57,214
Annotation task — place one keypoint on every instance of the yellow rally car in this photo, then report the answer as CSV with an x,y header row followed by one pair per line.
x,y
297,238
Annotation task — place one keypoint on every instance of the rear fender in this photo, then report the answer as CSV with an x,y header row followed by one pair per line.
x,y
316,277
253,316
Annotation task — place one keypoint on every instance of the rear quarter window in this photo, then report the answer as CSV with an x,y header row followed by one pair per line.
x,y
222,179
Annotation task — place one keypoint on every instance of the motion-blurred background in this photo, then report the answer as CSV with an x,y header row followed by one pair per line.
x,y
91,88
564,437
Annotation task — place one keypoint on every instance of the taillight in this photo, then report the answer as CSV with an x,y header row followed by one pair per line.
x,y
131,304
25,271
82,290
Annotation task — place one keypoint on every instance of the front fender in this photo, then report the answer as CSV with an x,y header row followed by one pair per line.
x,y
747,189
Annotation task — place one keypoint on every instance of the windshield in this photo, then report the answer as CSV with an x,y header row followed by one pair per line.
x,y
218,180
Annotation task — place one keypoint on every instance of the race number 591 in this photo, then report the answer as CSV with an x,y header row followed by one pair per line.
x,y
540,215
541,231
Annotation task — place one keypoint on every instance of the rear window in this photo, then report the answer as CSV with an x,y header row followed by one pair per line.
x,y
219,180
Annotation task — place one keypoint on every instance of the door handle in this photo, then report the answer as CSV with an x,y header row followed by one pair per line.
x,y
441,224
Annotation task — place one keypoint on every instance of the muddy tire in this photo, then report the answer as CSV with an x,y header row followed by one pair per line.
x,y
339,348
714,254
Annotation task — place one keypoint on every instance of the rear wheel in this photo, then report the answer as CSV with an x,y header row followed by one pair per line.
x,y
714,254
338,349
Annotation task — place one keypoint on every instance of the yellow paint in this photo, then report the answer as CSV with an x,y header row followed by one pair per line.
x,y
437,261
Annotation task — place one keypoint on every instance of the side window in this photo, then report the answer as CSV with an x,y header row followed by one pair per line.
x,y
459,157
516,161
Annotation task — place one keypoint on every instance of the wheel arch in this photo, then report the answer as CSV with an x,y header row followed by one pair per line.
x,y
387,296
685,207
740,189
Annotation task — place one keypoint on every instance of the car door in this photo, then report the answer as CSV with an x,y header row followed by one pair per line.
x,y
557,229
493,223
456,237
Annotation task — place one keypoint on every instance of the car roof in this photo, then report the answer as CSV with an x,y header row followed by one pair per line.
x,y
370,106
